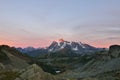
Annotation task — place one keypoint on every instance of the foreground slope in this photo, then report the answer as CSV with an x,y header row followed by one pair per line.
x,y
104,66
99,66
34,72
12,59
14,66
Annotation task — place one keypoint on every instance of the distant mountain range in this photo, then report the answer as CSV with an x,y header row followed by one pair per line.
x,y
27,49
78,47
56,46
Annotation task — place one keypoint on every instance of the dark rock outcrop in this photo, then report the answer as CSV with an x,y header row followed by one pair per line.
x,y
12,58
34,72
114,51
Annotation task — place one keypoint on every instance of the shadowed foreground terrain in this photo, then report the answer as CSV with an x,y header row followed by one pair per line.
x,y
102,65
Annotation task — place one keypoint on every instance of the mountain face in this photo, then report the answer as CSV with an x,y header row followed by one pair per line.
x,y
14,66
34,72
25,50
31,51
37,52
101,66
77,47
114,51
12,58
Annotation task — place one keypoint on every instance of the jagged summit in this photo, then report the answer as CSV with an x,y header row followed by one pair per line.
x,y
61,40
74,46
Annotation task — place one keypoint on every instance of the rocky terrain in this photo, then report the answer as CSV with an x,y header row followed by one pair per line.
x,y
34,72
102,65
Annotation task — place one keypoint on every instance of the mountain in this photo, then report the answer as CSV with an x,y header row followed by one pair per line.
x,y
12,58
25,50
102,66
77,47
37,52
34,72
70,48
114,51
31,51
14,66
63,53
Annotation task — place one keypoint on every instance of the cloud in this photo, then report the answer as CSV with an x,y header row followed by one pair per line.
x,y
113,38
110,31
114,32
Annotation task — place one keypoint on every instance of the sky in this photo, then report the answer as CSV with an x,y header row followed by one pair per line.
x,y
39,22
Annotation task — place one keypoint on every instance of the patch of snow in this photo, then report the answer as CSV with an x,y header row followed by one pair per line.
x,y
81,45
57,71
75,49
63,46
50,50
58,43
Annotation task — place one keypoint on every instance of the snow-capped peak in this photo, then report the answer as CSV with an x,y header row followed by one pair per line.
x,y
62,44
